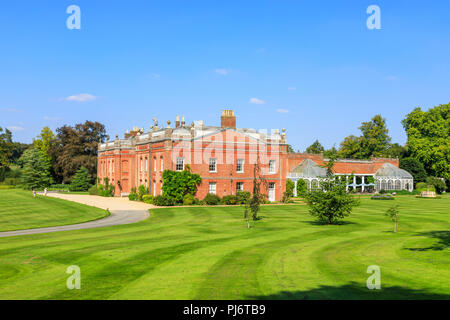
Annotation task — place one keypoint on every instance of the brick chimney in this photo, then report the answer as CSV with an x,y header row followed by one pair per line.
x,y
177,122
228,119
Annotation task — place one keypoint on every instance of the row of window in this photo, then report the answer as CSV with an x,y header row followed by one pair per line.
x,y
154,164
239,187
213,165
179,166
213,187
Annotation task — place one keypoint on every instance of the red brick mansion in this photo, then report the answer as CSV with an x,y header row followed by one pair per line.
x,y
225,157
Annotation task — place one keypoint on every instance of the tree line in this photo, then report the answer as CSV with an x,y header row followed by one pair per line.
x,y
52,158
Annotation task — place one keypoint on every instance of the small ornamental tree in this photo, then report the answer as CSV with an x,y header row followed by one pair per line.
x,y
290,185
177,184
80,181
392,213
253,205
330,203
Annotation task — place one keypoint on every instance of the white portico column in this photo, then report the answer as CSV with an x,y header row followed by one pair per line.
x,y
362,182
346,183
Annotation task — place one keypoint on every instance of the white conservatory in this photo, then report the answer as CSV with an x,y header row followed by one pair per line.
x,y
388,177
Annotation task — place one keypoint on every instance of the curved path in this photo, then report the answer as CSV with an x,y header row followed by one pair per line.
x,y
122,211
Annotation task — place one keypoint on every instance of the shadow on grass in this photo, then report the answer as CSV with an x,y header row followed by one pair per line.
x,y
443,240
354,291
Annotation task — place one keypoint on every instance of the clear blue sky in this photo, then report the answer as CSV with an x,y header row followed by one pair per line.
x,y
316,66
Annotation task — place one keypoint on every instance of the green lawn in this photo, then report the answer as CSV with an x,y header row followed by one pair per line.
x,y
208,253
19,210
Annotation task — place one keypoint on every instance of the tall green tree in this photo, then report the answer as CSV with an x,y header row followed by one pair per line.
x,y
373,142
428,141
81,180
351,148
76,147
5,147
36,170
375,137
415,167
45,140
315,148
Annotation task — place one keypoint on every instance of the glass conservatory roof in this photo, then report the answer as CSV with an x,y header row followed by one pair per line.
x,y
389,170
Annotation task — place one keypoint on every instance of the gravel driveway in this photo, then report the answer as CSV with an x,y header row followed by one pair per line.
x,y
122,211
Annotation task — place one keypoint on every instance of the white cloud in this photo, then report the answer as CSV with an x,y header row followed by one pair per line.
x,y
52,118
391,78
222,71
292,88
256,101
282,110
82,97
15,128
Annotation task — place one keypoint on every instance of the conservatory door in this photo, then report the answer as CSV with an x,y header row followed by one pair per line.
x,y
272,191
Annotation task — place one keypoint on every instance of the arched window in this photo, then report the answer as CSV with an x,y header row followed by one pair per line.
x,y
383,185
314,184
390,185
377,183
398,185
308,184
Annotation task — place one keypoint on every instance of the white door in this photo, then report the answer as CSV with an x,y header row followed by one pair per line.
x,y
272,191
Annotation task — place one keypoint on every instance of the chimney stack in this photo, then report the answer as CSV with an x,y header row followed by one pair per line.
x,y
177,122
228,119
182,121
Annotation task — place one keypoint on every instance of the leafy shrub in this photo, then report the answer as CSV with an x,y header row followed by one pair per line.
x,y
93,191
229,199
105,191
286,198
142,190
421,185
242,197
382,191
163,200
147,198
188,199
438,184
383,197
179,183
211,199
133,196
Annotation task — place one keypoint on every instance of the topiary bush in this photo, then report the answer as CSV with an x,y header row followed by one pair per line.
x,y
211,199
229,200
